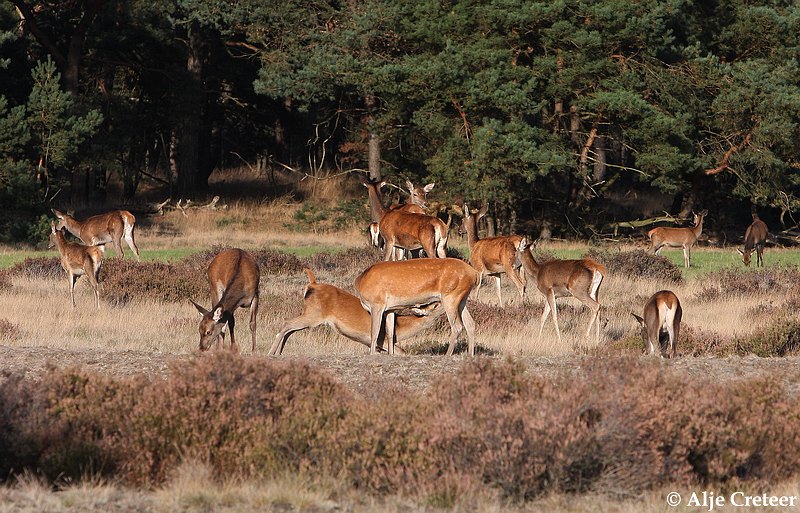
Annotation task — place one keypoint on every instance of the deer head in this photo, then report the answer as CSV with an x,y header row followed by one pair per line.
x,y
212,325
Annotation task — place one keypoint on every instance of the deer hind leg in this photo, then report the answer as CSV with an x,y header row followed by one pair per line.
x,y
129,239
686,257
390,332
551,298
674,339
117,241
453,311
231,325
469,327
759,255
545,314
91,274
376,322
254,319
292,325
72,279
499,294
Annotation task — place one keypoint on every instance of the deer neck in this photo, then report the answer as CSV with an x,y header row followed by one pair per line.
x,y
376,207
698,229
472,232
73,226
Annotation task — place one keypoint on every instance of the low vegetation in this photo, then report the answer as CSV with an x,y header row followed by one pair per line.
x,y
624,427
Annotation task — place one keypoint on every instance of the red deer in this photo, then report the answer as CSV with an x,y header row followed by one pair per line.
x,y
78,260
754,237
493,256
387,287
103,228
677,237
580,279
342,311
417,200
233,277
662,313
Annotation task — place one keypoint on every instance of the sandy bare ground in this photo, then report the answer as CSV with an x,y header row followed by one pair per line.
x,y
362,372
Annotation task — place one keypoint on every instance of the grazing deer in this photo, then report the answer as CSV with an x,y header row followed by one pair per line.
x,y
342,311
77,260
754,237
580,279
678,237
662,313
233,277
387,287
493,256
100,229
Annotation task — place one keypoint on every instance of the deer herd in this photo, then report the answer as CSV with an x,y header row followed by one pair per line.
x,y
401,296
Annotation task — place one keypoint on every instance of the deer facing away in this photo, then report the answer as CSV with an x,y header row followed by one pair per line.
x,y
492,256
233,277
754,237
662,315
387,287
103,228
678,237
342,311
580,279
78,260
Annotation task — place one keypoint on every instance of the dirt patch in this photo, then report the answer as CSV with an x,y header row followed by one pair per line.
x,y
366,374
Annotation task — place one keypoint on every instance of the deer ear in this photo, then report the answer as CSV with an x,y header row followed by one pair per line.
x,y
484,209
740,251
382,185
409,185
57,213
429,187
217,314
52,227
200,309
522,244
641,321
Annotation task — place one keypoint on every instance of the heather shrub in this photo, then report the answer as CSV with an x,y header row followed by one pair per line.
x,y
275,262
776,338
39,267
353,260
623,425
732,281
125,280
5,280
8,330
638,264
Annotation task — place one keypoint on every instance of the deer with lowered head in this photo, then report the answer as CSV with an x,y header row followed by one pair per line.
x,y
662,315
78,260
103,228
492,256
342,311
754,237
233,277
677,237
387,287
580,279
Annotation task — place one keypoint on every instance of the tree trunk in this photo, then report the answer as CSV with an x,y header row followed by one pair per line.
x,y
599,171
188,136
374,144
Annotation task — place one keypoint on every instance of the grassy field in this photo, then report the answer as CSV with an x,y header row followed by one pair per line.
x,y
723,313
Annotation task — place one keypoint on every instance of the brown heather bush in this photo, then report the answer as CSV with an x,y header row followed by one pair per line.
x,y
638,264
623,426
732,281
40,267
353,259
8,330
124,280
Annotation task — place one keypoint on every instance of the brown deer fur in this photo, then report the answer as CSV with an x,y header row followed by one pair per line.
x,y
233,277
662,313
387,287
103,228
580,279
342,311
754,237
78,260
492,256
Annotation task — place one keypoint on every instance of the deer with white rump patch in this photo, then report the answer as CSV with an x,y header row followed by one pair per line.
x,y
103,228
233,276
78,260
492,256
662,314
342,311
678,237
387,287
580,279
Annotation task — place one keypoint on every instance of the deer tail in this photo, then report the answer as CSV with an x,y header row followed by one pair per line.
x,y
310,274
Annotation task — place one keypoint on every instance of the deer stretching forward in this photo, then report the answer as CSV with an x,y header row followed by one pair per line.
x,y
342,311
233,277
662,313
77,260
678,237
387,287
580,279
103,228
754,237
492,256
